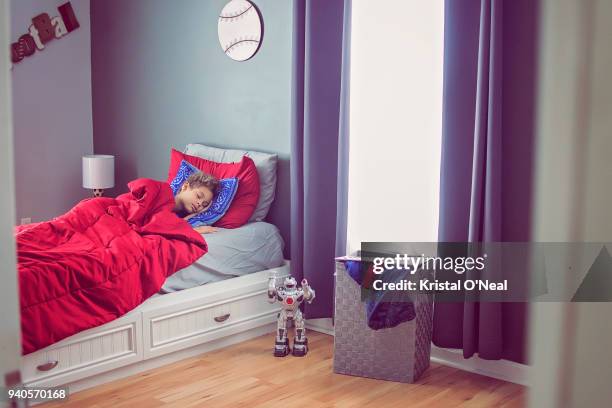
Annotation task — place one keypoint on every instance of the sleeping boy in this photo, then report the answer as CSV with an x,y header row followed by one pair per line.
x,y
196,195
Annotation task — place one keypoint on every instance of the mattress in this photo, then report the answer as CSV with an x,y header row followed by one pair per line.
x,y
254,247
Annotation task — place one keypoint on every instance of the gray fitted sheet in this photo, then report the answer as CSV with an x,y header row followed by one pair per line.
x,y
254,247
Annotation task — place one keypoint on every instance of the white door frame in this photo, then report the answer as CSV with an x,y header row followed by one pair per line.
x,y
569,342
10,348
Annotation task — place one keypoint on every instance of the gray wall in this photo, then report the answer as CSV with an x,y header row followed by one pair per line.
x,y
51,113
160,80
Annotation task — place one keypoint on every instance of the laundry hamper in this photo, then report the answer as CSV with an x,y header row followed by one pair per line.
x,y
398,354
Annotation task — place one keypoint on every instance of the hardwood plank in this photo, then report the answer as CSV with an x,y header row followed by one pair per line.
x,y
247,374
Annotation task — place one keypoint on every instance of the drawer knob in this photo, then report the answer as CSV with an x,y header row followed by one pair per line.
x,y
222,318
47,366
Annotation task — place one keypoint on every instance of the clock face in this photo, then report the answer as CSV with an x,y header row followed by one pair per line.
x,y
240,30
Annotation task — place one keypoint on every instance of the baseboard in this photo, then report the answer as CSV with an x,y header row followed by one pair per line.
x,y
325,326
500,369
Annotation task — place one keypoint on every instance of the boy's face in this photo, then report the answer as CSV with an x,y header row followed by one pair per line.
x,y
193,200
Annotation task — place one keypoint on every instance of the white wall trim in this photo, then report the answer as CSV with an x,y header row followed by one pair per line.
x,y
501,369
325,326
10,344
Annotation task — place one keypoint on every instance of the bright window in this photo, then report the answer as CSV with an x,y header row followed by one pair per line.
x,y
396,120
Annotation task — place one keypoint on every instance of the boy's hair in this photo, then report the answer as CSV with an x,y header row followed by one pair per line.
x,y
202,179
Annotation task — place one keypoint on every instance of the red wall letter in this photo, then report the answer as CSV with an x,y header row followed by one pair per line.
x,y
27,44
46,31
16,52
68,16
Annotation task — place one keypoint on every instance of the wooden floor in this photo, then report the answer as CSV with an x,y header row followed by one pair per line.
x,y
248,375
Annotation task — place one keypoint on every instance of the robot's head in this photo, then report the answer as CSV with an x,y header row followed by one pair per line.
x,y
290,282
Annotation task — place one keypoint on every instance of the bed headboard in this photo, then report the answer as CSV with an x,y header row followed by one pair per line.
x,y
279,214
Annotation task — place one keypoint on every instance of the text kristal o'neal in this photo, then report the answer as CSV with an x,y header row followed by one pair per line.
x,y
427,285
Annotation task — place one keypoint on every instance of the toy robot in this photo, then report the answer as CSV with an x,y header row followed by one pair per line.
x,y
290,297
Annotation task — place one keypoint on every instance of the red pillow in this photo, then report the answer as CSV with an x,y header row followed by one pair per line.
x,y
246,197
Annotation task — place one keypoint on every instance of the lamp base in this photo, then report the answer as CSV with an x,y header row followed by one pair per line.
x,y
98,192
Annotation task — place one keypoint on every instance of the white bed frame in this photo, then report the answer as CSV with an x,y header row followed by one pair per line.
x,y
164,329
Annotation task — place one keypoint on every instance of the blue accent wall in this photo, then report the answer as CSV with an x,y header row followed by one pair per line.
x,y
160,80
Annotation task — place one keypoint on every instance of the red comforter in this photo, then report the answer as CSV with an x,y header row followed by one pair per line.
x,y
99,261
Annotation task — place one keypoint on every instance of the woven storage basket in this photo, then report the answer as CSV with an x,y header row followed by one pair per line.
x,y
398,354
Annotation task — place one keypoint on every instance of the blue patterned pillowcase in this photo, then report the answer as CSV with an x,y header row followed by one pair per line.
x,y
221,202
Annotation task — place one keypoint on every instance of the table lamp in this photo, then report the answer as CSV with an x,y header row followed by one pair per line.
x,y
98,173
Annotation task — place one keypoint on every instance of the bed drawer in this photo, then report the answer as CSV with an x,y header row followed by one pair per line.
x,y
91,352
193,324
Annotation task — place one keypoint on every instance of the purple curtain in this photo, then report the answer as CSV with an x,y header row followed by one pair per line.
x,y
487,157
319,145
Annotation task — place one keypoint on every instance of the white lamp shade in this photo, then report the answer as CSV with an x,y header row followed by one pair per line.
x,y
98,171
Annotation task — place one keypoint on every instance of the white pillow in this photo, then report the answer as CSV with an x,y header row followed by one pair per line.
x,y
266,170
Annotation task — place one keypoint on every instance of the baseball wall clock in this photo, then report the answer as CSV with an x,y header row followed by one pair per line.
x,y
240,30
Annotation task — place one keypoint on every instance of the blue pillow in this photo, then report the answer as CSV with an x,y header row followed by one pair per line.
x,y
221,201
185,170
